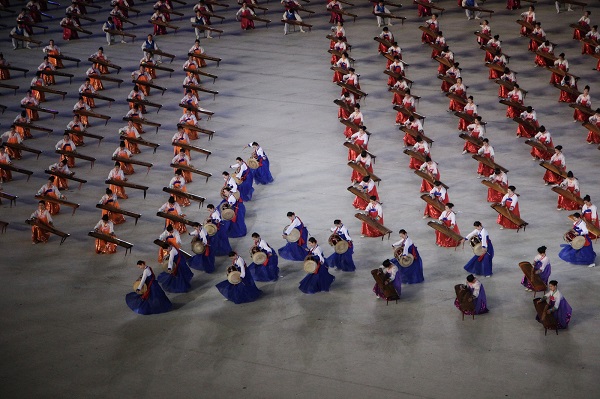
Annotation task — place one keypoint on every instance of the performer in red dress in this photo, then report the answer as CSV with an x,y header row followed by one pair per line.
x,y
431,168
558,160
476,131
589,213
421,147
565,96
375,212
471,110
511,202
438,193
528,16
570,184
432,24
500,178
488,152
594,120
584,22
584,100
460,90
447,218
367,186
530,116
560,63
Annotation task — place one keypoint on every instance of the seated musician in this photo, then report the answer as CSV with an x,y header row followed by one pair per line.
x,y
545,47
429,167
178,182
269,269
385,35
476,130
423,10
593,36
130,131
481,265
123,152
529,115
351,78
262,175
413,124
243,15
367,186
183,159
93,72
507,76
529,17
516,96
135,113
447,55
355,117
341,47
108,26
544,137
191,64
380,8
105,226
180,137
24,132
537,32
486,151
336,18
143,76
583,100
294,250
219,242
201,20
5,175
421,147
110,198
30,100
80,105
493,48
350,101
402,85
541,267
594,120
19,30
360,139
565,96
391,277
43,216
448,219
500,60
188,119
100,56
178,275
558,160
62,167
394,50
432,24
291,15
441,42
171,236
204,261
460,90
438,193
164,7
589,213
344,64
4,73
244,292
570,184
190,80
159,17
478,296
500,178
117,174
117,17
87,87
69,26
139,95
375,212
154,300
343,261
172,208
366,161
52,49
408,103
50,190
412,274
452,73
559,307
320,280
562,64
511,202
191,100
13,137
66,144
471,110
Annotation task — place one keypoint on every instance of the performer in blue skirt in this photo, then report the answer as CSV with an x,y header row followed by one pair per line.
x,y
320,279
262,175
206,260
295,250
583,256
244,175
558,305
237,225
152,301
481,265
219,243
478,293
412,274
267,270
178,275
343,261
242,291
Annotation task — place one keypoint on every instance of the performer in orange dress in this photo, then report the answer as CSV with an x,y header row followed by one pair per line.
x,y
172,208
105,226
13,137
66,144
375,212
42,216
52,49
62,167
50,190
30,100
123,152
24,132
511,202
447,218
109,198
5,175
37,80
117,174
178,182
4,73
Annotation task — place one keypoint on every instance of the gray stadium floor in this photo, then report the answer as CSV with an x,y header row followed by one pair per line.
x,y
66,331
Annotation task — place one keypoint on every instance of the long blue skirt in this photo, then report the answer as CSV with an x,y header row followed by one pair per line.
x,y
268,272
157,301
562,314
219,243
314,283
342,262
583,256
293,250
246,291
262,175
246,190
204,262
238,228
179,282
482,265
480,303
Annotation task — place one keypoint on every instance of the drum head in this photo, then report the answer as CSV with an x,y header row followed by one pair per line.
x,y
578,242
252,163
228,214
310,266
211,229
259,257
198,247
398,253
237,181
236,195
479,250
165,265
341,247
294,236
406,261
144,287
234,277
